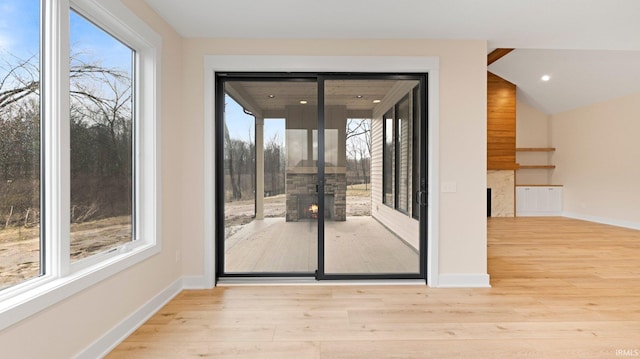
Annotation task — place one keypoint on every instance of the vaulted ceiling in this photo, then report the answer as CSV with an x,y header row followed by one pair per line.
x,y
590,48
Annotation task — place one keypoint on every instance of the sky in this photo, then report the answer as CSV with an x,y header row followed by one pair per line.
x,y
240,125
19,27
93,44
20,36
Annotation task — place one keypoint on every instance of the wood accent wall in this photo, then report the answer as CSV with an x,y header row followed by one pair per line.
x,y
501,124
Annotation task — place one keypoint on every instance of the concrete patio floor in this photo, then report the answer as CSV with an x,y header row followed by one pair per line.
x,y
358,245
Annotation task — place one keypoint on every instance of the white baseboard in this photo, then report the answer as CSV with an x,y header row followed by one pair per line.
x,y
538,214
602,220
463,281
101,347
195,282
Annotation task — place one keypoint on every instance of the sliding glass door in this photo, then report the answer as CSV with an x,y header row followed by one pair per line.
x,y
371,238
321,175
269,173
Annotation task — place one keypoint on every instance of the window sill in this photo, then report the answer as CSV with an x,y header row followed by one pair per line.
x,y
41,293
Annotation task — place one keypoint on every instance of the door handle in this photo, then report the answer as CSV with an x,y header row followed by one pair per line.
x,y
421,198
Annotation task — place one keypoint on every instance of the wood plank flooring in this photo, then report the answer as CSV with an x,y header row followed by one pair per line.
x,y
561,288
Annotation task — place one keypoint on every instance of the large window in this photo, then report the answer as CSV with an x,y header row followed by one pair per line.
x,y
403,147
20,247
78,148
102,127
388,159
400,160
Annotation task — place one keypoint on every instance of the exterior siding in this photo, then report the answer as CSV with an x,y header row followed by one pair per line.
x,y
402,225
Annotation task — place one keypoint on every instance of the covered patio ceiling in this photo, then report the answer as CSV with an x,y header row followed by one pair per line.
x,y
268,99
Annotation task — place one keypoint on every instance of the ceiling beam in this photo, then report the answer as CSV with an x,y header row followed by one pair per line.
x,y
496,55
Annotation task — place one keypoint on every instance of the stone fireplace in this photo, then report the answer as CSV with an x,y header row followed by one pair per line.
x,y
302,195
302,163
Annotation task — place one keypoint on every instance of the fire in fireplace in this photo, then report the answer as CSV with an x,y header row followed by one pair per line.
x,y
313,211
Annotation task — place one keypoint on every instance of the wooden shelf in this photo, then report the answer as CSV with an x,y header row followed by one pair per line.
x,y
539,185
533,167
535,149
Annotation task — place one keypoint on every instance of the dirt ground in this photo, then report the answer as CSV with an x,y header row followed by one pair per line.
x,y
20,247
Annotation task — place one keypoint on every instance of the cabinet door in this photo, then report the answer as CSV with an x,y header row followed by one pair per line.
x,y
544,199
538,201
520,200
526,200
554,200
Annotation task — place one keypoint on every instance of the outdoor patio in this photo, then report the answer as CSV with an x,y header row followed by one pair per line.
x,y
358,245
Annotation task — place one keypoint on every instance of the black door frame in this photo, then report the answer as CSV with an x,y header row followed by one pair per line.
x,y
420,196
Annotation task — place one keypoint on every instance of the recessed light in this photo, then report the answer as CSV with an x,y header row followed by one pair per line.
x,y
376,101
359,96
303,102
272,96
545,78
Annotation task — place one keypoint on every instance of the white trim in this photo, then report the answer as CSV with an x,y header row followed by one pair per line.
x,y
433,178
464,281
56,134
118,20
538,214
26,299
25,304
106,343
209,242
603,220
195,282
373,64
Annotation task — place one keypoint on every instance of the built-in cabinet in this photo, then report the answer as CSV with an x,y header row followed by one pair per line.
x,y
538,200
536,197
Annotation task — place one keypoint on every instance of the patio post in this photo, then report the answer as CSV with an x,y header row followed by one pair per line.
x,y
259,167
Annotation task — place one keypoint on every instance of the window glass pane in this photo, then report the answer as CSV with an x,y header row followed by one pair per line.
x,y
20,243
415,154
388,160
330,147
239,155
404,154
296,147
102,128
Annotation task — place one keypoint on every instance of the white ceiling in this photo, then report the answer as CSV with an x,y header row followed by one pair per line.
x,y
579,77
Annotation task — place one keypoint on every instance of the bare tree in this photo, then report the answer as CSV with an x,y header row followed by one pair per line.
x,y
359,148
252,156
358,127
101,134
273,164
19,80
229,152
103,97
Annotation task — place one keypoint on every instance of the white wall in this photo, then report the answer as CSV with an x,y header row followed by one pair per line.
x,y
65,329
462,251
598,160
532,130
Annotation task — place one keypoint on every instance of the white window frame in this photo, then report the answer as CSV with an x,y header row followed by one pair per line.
x,y
63,278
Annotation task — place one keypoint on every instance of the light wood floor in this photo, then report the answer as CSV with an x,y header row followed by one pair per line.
x,y
561,288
